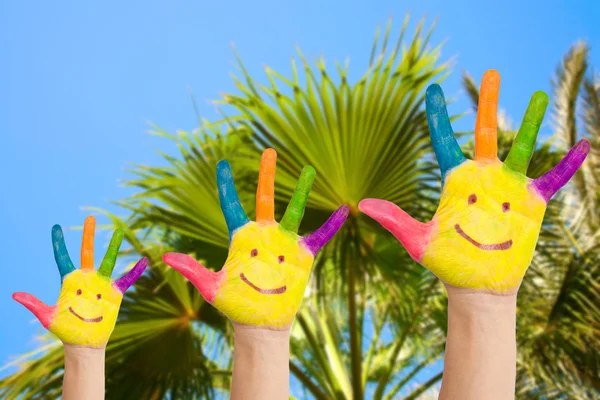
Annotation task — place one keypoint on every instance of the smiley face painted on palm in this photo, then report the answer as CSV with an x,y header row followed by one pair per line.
x,y
489,219
89,301
485,229
263,280
267,271
87,309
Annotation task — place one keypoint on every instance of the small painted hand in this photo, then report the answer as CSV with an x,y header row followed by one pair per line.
x,y
484,232
263,280
89,301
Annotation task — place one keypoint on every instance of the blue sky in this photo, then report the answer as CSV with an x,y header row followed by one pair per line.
x,y
82,80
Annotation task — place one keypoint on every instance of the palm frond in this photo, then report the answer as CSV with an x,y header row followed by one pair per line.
x,y
337,126
567,83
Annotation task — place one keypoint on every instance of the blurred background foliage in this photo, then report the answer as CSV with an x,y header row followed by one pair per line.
x,y
373,322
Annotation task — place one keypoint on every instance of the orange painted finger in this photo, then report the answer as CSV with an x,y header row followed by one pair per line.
x,y
486,136
265,193
87,243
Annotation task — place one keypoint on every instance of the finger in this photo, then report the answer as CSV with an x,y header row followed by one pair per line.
x,y
110,258
234,214
486,125
42,312
265,193
319,238
87,243
206,281
447,151
123,283
522,149
63,261
295,210
413,235
549,183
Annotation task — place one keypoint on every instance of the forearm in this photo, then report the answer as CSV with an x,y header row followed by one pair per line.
x,y
84,373
260,364
480,358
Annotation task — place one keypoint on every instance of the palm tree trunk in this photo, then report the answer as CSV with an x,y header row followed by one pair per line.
x,y
355,347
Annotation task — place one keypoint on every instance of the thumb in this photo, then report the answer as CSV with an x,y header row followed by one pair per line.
x,y
206,281
413,235
43,312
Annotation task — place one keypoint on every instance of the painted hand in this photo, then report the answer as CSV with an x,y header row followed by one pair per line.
x,y
89,301
486,226
263,280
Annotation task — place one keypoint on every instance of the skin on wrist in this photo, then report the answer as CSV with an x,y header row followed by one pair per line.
x,y
480,358
84,373
260,363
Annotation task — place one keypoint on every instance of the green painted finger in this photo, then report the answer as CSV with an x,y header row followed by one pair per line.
x,y
522,149
110,258
295,210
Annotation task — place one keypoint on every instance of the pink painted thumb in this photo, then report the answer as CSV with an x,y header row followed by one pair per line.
x,y
206,281
41,311
413,235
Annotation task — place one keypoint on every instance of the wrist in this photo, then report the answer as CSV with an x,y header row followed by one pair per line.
x,y
260,363
84,373
250,332
82,353
480,357
477,301
258,340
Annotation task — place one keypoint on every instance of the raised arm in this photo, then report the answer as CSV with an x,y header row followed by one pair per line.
x,y
262,283
481,238
86,311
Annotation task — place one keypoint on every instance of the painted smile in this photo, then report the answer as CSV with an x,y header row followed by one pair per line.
x,y
498,246
97,319
263,291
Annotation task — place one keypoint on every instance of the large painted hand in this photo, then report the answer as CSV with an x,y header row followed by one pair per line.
x,y
484,232
89,301
263,280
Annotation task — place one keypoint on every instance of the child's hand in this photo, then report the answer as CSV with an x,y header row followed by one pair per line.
x,y
263,280
486,226
87,309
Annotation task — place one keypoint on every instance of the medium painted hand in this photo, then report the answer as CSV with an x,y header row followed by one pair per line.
x,y
263,280
484,232
89,301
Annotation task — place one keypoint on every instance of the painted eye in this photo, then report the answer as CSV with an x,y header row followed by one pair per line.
x,y
98,296
472,198
79,292
281,259
506,207
253,253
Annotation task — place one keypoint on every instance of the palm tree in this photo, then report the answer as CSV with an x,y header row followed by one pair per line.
x,y
373,322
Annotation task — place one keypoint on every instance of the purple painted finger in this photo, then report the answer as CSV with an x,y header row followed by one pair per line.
x,y
133,275
549,183
319,238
